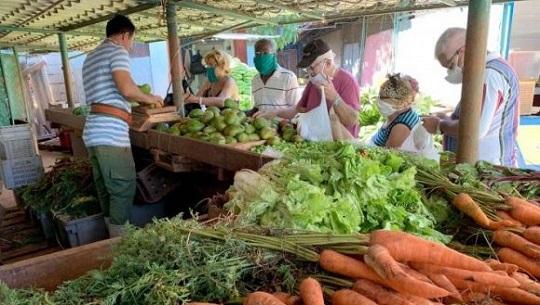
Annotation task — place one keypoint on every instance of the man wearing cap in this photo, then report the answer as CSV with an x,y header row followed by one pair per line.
x,y
499,120
340,87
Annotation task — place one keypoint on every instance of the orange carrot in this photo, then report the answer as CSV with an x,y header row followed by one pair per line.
x,y
341,264
473,297
406,247
511,256
443,282
469,207
515,295
311,292
349,297
511,240
525,212
479,277
261,298
506,267
509,220
532,234
414,273
527,283
287,298
380,294
384,264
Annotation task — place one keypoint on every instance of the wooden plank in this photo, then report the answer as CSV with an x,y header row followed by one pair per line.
x,y
10,221
148,111
15,228
31,255
24,250
65,117
222,156
49,271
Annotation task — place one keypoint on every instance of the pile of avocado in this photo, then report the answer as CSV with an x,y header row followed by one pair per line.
x,y
229,126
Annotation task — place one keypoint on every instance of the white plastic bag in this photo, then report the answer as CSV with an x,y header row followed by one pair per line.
x,y
421,142
314,125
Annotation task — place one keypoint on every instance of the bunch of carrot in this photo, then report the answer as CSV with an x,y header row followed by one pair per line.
x,y
517,233
400,268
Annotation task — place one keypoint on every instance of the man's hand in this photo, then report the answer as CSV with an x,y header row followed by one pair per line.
x,y
265,114
154,99
431,124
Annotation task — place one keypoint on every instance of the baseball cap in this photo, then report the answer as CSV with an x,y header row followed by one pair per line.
x,y
311,51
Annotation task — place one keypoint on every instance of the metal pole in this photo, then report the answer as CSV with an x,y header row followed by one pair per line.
x,y
506,29
473,80
174,58
68,79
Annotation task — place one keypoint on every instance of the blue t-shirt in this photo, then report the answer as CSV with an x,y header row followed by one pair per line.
x,y
408,118
99,87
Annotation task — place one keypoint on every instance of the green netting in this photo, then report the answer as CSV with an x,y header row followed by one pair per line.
x,y
4,108
12,80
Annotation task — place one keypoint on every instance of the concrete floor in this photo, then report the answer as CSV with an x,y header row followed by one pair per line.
x,y
7,199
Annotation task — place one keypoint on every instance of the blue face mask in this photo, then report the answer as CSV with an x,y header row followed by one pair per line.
x,y
265,63
211,74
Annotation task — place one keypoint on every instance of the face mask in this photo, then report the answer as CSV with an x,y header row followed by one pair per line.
x,y
265,63
318,79
211,74
385,108
455,75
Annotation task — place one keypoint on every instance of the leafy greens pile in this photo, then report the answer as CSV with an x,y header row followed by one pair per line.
x,y
333,187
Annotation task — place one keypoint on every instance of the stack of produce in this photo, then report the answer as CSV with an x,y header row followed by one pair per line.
x,y
242,75
68,189
230,126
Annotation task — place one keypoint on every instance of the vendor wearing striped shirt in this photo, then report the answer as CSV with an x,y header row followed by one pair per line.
x,y
396,97
108,85
274,87
499,120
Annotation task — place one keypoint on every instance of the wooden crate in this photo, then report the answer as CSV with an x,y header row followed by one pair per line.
x,y
526,96
176,163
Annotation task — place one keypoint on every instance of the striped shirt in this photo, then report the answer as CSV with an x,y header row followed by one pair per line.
x,y
408,118
99,87
280,91
500,115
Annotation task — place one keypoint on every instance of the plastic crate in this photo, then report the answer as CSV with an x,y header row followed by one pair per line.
x,y
143,214
20,172
153,183
17,141
45,221
78,232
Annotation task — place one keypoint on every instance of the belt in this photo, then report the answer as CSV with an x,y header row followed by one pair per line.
x,y
98,108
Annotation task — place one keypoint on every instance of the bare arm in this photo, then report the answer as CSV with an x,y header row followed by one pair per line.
x,y
398,135
131,91
449,127
347,115
229,90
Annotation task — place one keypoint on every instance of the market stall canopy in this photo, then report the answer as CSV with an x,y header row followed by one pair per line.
x,y
33,24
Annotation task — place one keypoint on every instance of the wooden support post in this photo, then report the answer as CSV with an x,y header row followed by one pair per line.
x,y
68,78
175,58
473,80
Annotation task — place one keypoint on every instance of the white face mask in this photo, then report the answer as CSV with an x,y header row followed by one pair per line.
x,y
455,75
385,108
318,79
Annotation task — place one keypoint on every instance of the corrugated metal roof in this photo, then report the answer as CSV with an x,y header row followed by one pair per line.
x,y
34,24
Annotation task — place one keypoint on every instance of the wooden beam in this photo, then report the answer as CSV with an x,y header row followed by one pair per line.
x,y
66,69
175,58
49,271
473,81
27,30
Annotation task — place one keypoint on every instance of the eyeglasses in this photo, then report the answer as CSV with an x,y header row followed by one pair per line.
x,y
451,63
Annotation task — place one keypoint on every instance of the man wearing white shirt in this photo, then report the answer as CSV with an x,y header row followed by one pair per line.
x,y
274,87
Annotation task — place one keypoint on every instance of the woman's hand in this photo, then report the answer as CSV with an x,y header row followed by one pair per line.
x,y
190,98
